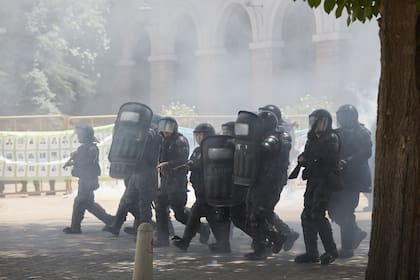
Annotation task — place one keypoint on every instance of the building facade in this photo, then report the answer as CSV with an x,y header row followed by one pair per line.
x,y
223,55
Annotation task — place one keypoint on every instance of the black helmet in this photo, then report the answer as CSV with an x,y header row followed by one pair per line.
x,y
274,109
167,124
228,128
269,120
85,133
155,120
205,128
347,116
323,116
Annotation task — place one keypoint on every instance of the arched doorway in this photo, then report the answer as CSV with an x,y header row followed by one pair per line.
x,y
237,78
294,61
185,65
140,83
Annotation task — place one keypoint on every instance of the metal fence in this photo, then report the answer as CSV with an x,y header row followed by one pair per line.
x,y
64,122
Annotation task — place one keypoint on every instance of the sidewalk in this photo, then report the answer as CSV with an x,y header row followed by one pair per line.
x,y
32,246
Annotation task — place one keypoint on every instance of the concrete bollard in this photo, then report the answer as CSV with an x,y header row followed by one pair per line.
x,y
143,260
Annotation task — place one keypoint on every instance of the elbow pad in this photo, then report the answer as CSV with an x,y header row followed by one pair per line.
x,y
270,143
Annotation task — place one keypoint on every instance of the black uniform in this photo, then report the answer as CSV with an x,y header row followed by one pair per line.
x,y
86,168
141,187
201,208
264,194
173,188
320,159
356,149
287,129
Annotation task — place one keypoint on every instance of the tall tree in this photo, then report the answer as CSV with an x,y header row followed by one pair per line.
x,y
55,48
395,238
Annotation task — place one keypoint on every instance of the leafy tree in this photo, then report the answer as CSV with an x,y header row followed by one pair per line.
x,y
61,43
395,237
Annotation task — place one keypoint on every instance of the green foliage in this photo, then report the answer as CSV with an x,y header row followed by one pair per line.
x,y
308,104
182,112
360,10
69,36
49,56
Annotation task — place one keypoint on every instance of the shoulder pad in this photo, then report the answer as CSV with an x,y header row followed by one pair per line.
x,y
334,138
364,130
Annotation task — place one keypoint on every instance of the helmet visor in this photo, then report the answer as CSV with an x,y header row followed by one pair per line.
x,y
166,126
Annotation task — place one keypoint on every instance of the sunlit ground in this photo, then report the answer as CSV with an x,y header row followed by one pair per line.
x,y
32,245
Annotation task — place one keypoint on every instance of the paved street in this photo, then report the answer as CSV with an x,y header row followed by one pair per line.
x,y
32,246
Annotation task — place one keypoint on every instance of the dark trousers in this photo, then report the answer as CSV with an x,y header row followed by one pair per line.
x,y
137,199
171,195
314,221
341,210
85,200
255,217
217,218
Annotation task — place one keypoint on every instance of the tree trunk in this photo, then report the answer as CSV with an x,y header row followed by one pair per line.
x,y
395,243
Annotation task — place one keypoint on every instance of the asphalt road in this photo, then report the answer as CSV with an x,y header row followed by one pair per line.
x,y
32,246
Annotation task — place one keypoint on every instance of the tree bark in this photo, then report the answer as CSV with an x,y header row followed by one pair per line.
x,y
395,243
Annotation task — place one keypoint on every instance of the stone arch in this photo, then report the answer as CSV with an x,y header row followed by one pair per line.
x,y
140,83
185,48
293,25
228,9
235,33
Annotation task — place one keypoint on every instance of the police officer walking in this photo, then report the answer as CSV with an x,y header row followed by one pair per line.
x,y
141,183
356,149
173,188
257,162
85,162
320,160
286,130
200,207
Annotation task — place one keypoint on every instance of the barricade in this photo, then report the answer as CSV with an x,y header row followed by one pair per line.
x,y
53,141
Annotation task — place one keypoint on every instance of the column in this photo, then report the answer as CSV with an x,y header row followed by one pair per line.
x,y
210,81
162,80
330,64
262,64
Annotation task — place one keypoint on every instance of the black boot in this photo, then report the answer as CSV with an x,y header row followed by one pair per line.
x,y
130,230
290,241
115,231
307,258
328,257
180,243
277,239
261,252
70,230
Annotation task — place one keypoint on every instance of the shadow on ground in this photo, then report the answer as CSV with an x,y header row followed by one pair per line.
x,y
42,251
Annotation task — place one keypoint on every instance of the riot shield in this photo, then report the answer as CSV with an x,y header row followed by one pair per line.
x,y
217,161
129,138
248,130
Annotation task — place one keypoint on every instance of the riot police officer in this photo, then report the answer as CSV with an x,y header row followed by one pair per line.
x,y
264,191
228,128
173,189
201,208
141,186
320,160
356,149
85,162
286,129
